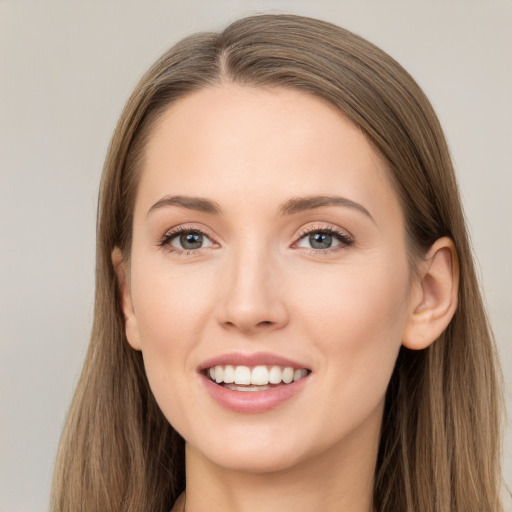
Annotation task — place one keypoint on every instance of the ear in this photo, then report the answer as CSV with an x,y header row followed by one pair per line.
x,y
434,296
121,269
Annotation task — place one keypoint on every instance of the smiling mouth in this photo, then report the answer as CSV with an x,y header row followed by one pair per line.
x,y
257,378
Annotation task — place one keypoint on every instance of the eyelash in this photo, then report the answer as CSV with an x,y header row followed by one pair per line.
x,y
344,238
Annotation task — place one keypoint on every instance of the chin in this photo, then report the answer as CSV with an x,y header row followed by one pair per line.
x,y
262,449
252,459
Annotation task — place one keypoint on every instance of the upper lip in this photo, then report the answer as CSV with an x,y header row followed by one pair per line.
x,y
254,359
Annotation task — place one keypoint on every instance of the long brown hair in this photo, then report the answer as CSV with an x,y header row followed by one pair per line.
x,y
440,441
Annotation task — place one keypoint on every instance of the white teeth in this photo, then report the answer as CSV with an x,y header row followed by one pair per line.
x,y
219,374
229,374
288,375
275,375
242,375
298,374
260,376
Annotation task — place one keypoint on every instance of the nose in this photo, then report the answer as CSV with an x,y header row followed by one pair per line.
x,y
252,293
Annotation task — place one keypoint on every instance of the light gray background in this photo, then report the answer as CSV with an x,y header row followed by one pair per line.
x,y
66,69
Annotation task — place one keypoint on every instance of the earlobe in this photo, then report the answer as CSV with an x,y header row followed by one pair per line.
x,y
435,296
130,320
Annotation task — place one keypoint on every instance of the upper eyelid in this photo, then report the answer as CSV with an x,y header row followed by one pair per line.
x,y
180,228
324,227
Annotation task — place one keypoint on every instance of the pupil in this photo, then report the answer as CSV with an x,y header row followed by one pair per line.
x,y
191,240
320,240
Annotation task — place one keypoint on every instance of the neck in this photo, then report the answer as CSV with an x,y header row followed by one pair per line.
x,y
339,479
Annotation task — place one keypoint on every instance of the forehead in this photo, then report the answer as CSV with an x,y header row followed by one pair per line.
x,y
238,143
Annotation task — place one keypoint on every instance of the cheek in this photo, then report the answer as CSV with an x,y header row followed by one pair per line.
x,y
171,307
169,303
341,302
356,319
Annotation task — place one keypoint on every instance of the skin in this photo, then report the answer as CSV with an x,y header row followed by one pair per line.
x,y
258,285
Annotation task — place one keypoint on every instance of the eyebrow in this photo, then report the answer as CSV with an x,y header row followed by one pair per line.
x,y
290,207
192,203
300,204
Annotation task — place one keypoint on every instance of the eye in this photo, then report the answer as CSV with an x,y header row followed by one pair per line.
x,y
186,239
323,239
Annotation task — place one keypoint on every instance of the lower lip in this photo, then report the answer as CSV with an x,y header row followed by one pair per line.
x,y
252,402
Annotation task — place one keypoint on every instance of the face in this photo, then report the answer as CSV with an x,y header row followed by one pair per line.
x,y
268,244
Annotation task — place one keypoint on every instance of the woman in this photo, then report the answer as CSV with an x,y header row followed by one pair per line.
x,y
287,315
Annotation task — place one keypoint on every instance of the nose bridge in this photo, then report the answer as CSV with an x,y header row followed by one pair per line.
x,y
251,295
